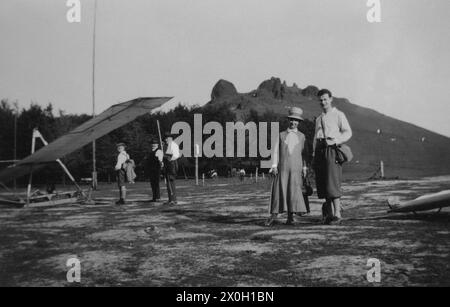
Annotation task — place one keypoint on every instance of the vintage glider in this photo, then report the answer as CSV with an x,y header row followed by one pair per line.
x,y
423,203
111,119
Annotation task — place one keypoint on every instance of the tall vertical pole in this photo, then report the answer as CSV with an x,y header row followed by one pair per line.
x,y
166,180
380,141
94,166
15,147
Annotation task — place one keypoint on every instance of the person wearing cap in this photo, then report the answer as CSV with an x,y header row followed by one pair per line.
x,y
288,167
122,157
171,154
155,163
332,129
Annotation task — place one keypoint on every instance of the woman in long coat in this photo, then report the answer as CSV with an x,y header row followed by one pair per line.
x,y
287,166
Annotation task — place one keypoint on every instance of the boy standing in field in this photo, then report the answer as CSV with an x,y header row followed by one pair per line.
x,y
122,157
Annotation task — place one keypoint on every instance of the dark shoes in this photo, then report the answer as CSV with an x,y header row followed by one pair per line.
x,y
289,222
303,213
332,220
326,220
120,202
271,221
170,203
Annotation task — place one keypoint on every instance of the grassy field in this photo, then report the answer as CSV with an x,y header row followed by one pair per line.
x,y
215,237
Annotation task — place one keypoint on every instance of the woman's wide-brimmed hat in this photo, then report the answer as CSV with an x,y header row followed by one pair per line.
x,y
296,113
121,144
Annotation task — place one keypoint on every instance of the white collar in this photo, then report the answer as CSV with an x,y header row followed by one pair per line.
x,y
333,109
292,130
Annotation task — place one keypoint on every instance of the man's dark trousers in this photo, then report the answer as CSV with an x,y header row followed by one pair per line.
x,y
171,169
154,183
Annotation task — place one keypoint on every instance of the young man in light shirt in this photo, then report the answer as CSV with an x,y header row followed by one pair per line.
x,y
171,154
122,157
331,129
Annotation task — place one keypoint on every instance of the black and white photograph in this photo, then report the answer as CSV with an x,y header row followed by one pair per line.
x,y
224,148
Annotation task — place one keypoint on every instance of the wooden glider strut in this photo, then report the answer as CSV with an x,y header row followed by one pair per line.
x,y
37,134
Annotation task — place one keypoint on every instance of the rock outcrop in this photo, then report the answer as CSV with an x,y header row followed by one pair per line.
x,y
310,91
223,88
273,86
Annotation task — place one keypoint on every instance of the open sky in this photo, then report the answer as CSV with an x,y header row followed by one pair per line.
x,y
180,48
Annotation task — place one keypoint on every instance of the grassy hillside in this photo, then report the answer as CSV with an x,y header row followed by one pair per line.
x,y
406,150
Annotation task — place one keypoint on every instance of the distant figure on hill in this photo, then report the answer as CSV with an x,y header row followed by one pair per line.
x,y
242,174
212,174
332,129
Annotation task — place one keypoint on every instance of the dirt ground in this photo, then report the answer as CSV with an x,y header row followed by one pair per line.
x,y
215,237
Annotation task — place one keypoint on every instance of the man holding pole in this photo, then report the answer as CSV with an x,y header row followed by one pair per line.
x,y
171,154
332,129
